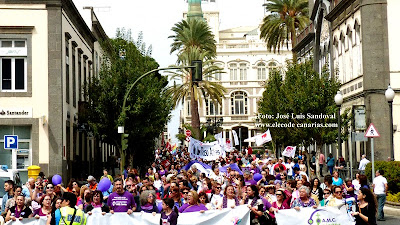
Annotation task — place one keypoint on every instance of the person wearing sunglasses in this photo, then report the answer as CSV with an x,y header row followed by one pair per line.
x,y
215,196
280,202
185,192
337,199
326,197
37,194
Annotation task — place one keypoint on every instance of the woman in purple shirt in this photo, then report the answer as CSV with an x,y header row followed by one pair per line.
x,y
193,204
169,214
45,202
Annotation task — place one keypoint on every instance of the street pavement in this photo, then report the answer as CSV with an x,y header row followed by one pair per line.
x,y
390,220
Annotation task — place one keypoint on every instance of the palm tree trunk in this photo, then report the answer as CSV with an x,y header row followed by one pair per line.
x,y
294,40
195,118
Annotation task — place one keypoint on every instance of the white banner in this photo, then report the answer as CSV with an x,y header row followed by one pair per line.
x,y
235,138
207,151
289,151
263,138
239,215
310,216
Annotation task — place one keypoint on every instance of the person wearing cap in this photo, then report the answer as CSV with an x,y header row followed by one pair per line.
x,y
92,184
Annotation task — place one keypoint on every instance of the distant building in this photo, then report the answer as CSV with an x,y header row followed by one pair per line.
x,y
246,63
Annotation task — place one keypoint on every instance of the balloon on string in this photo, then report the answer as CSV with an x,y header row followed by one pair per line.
x,y
159,206
257,177
56,180
104,184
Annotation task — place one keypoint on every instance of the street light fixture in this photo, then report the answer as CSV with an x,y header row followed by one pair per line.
x,y
389,94
122,116
339,101
214,124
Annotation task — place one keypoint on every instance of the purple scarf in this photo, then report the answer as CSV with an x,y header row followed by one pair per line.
x,y
225,202
253,202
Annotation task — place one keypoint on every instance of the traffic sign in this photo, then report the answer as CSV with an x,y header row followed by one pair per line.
x,y
188,133
10,141
372,132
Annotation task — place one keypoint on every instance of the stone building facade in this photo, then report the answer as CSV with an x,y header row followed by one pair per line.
x,y
47,56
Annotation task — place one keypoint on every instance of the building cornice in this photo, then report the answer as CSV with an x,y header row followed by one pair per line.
x,y
315,10
338,9
310,36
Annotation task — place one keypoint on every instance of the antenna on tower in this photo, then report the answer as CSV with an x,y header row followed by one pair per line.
x,y
98,8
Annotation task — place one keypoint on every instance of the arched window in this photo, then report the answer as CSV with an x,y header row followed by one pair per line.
x,y
342,44
218,75
239,103
261,71
233,70
213,108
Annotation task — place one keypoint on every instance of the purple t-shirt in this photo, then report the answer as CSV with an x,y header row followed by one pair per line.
x,y
171,219
191,208
250,182
121,203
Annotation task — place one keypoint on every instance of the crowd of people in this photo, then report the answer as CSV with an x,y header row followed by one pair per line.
x,y
265,184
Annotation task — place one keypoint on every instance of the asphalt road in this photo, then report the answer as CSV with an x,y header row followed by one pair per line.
x,y
390,220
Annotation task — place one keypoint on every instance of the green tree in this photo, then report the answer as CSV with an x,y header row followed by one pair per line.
x,y
193,40
196,91
286,18
148,106
302,93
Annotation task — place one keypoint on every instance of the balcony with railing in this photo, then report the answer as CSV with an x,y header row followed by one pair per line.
x,y
304,37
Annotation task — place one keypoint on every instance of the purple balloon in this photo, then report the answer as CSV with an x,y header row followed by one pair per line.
x,y
257,177
104,184
56,180
159,206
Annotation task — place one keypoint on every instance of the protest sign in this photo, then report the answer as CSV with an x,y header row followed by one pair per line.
x,y
289,151
311,216
207,151
238,215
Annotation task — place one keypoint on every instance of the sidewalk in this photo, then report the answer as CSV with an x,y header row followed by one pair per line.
x,y
390,210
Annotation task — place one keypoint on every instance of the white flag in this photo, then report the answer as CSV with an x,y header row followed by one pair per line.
x,y
263,138
289,151
219,138
235,137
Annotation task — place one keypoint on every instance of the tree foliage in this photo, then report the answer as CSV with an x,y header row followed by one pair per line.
x,y
286,19
299,95
148,107
193,40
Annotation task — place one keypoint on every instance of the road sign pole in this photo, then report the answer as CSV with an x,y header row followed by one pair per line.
x,y
372,159
14,159
351,157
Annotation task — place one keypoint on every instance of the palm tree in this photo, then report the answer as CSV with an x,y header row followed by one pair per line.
x,y
193,40
286,19
193,33
194,91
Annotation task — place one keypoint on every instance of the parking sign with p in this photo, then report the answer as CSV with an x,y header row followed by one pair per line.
x,y
10,141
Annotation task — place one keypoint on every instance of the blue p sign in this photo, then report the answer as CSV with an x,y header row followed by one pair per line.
x,y
10,142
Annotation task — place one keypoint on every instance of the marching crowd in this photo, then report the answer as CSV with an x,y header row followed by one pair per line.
x,y
265,184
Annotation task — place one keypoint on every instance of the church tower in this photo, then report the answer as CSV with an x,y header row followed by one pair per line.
x,y
194,10
210,14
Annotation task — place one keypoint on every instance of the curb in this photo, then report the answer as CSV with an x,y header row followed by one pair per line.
x,y
391,211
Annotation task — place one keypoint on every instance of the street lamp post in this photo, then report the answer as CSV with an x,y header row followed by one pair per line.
x,y
214,124
339,101
389,94
197,71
